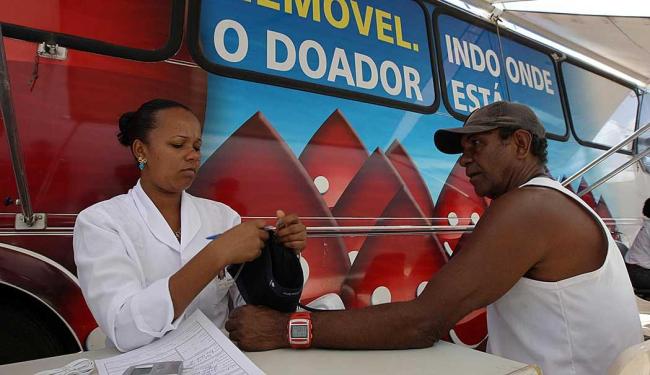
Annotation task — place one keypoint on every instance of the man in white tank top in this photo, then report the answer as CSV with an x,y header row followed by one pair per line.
x,y
541,260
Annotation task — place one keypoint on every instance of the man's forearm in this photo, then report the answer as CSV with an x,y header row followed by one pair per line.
x,y
401,325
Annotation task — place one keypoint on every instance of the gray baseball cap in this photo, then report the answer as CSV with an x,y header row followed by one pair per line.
x,y
492,116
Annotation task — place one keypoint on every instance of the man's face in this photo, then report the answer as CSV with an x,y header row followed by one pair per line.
x,y
488,160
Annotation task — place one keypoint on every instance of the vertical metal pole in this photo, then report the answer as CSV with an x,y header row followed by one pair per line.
x,y
9,119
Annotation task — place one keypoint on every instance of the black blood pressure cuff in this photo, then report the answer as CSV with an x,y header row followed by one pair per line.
x,y
274,279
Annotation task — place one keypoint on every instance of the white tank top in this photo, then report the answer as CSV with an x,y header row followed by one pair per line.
x,y
574,326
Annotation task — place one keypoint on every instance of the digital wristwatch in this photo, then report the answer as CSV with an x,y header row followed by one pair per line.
x,y
299,330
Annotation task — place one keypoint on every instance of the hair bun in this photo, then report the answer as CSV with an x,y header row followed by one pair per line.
x,y
125,126
136,125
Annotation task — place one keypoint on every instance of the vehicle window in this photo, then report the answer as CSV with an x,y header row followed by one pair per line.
x,y
138,26
603,112
479,69
375,51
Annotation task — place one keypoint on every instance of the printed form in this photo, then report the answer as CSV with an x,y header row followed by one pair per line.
x,y
202,347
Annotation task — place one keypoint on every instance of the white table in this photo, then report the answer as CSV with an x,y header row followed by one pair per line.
x,y
442,358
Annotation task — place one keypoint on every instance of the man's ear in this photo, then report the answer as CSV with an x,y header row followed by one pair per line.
x,y
522,140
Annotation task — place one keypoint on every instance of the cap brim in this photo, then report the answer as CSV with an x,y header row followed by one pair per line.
x,y
448,140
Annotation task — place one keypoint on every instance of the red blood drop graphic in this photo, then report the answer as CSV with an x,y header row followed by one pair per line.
x,y
589,197
397,262
367,196
457,198
603,211
472,329
336,153
411,176
255,173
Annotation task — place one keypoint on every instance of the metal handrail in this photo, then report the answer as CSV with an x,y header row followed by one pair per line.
x,y
386,230
312,232
607,154
9,119
613,173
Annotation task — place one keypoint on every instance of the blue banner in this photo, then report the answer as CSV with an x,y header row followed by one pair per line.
x,y
379,47
480,70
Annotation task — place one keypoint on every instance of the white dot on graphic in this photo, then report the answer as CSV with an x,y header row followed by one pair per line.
x,y
420,288
456,340
322,184
380,295
305,269
447,248
352,255
96,340
453,219
474,217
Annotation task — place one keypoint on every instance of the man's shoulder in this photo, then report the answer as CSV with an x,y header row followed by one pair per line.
x,y
537,212
548,215
532,201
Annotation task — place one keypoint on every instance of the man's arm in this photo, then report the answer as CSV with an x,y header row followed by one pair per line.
x,y
505,245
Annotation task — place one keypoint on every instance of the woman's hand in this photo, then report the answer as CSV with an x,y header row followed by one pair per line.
x,y
291,232
242,243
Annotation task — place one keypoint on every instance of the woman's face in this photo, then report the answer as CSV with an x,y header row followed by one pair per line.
x,y
172,150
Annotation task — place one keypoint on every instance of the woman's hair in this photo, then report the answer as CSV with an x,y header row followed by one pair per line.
x,y
136,125
646,208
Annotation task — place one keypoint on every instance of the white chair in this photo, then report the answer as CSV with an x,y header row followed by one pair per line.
x,y
528,370
96,340
644,315
634,360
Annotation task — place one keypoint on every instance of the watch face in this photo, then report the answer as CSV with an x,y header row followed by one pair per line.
x,y
299,331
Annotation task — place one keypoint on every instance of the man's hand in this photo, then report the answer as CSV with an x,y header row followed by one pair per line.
x,y
291,232
258,328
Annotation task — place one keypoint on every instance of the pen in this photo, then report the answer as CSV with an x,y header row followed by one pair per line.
x,y
215,236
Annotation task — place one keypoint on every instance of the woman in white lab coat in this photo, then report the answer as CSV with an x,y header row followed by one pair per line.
x,y
637,258
143,259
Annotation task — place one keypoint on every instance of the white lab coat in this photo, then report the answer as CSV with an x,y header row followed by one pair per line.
x,y
125,253
639,252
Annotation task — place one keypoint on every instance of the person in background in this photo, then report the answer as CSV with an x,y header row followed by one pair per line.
x,y
143,258
541,261
637,258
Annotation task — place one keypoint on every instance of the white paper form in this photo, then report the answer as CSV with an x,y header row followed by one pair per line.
x,y
202,347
